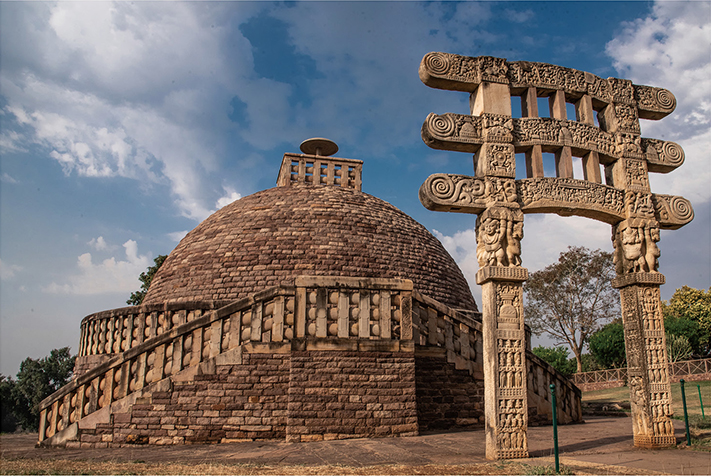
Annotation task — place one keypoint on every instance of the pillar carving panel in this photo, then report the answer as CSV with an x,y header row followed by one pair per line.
x,y
647,366
504,346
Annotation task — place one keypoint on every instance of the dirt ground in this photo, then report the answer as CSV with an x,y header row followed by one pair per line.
x,y
602,445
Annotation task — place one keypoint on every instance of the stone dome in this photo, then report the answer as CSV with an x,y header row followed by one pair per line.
x,y
272,236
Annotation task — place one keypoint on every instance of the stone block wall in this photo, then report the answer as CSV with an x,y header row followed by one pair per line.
x,y
351,394
446,397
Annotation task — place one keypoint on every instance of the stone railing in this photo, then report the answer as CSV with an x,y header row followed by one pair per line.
x,y
314,307
611,378
434,324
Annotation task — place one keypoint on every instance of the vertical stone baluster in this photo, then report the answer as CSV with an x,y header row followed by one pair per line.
x,y
196,349
129,330
408,326
257,322
177,365
385,315
67,410
141,327
364,316
278,320
235,329
216,338
343,313
154,325
300,318
123,387
159,363
321,312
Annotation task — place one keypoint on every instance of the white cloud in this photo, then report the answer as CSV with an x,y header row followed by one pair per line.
x,y
231,196
6,178
98,244
7,271
672,49
177,235
109,276
131,90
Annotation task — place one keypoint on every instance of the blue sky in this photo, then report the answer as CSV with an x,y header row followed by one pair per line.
x,y
123,125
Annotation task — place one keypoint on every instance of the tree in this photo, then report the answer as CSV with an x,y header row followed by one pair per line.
x,y
38,379
146,277
8,422
693,305
608,346
557,357
683,327
570,299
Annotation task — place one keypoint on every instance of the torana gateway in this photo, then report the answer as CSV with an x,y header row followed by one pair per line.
x,y
500,201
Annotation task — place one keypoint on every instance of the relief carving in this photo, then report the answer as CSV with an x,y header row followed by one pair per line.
x,y
621,91
628,145
636,249
639,204
662,156
558,195
672,211
498,237
496,159
654,103
497,128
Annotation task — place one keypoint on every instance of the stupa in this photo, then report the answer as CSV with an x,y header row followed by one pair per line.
x,y
308,311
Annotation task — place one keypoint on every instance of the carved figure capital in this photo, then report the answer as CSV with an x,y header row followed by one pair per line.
x,y
499,231
636,251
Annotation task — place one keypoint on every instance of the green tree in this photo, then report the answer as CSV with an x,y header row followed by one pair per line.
x,y
570,299
38,379
146,277
8,422
557,357
681,326
694,305
607,346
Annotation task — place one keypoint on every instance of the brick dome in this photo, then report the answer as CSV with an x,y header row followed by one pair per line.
x,y
272,236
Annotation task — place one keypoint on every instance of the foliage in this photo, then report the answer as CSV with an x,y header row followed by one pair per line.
x,y
38,379
607,346
570,299
557,357
681,326
8,422
589,363
678,348
693,305
146,277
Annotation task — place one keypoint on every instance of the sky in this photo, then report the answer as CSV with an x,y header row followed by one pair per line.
x,y
123,125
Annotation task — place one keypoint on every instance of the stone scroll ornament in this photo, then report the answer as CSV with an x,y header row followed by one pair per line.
x,y
500,200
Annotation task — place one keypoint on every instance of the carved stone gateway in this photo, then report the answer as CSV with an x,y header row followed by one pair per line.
x,y
500,201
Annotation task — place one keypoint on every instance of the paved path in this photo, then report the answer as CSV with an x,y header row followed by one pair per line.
x,y
601,440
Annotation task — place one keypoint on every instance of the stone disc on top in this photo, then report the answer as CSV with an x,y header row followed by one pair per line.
x,y
319,146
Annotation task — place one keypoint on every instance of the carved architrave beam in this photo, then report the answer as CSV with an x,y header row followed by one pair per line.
x,y
563,196
464,73
465,133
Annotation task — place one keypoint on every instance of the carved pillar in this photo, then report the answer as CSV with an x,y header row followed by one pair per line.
x,y
504,346
647,364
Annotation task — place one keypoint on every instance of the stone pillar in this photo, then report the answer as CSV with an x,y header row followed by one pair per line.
x,y
647,363
504,346
636,255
